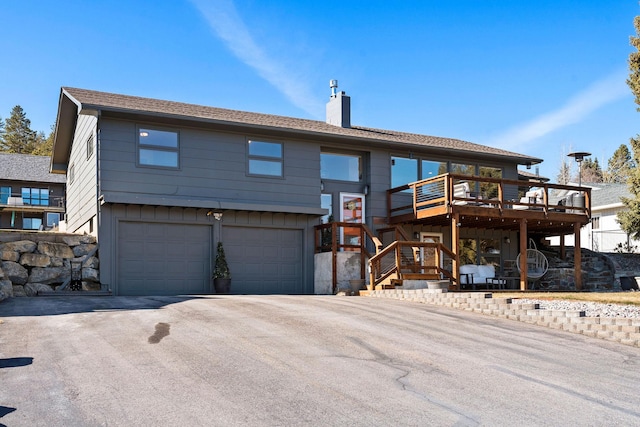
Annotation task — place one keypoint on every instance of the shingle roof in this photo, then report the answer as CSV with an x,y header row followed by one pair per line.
x,y
26,167
607,194
133,104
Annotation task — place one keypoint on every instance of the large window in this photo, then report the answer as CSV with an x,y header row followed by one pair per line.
x,y
5,193
341,167
35,196
31,223
489,190
158,148
463,169
480,251
403,171
326,202
431,168
265,158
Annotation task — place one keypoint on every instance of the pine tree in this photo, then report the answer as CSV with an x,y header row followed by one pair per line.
x,y
591,171
564,175
629,219
18,136
619,166
45,145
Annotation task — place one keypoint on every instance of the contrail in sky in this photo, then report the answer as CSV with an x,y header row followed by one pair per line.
x,y
223,18
600,93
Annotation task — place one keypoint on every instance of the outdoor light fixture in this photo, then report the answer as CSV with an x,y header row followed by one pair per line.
x,y
215,214
366,190
579,156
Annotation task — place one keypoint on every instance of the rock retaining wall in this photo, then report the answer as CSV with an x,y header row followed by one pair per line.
x,y
40,262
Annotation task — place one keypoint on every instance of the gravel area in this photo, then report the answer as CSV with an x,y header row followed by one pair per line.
x,y
591,309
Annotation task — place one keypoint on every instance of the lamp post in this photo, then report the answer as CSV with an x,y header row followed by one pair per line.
x,y
579,156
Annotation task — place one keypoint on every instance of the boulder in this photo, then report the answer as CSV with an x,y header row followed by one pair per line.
x,y
35,260
33,289
18,291
57,250
83,249
8,255
1,274
90,275
21,246
6,288
49,275
79,240
57,262
15,272
91,262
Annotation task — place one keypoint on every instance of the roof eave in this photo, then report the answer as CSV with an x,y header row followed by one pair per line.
x,y
68,109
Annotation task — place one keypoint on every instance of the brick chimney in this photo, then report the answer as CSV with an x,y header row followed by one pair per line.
x,y
338,107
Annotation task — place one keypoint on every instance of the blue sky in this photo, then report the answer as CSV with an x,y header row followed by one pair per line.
x,y
541,78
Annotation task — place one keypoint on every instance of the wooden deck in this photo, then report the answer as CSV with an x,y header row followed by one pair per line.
x,y
490,204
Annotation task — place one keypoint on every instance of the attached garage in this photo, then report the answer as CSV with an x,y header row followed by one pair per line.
x,y
264,260
163,258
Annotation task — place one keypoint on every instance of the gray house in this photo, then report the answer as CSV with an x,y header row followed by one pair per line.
x,y
31,198
160,183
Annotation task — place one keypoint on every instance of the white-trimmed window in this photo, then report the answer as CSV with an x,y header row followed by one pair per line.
x,y
158,148
89,147
53,219
265,158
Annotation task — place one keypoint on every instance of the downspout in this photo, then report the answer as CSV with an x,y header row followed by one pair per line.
x,y
103,286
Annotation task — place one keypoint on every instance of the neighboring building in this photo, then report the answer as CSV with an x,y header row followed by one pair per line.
x,y
31,198
603,233
160,183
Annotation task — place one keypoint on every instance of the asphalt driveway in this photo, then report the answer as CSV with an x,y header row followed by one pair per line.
x,y
299,360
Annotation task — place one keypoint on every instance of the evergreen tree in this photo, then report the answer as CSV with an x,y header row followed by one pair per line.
x,y
45,145
619,166
634,63
629,219
18,136
564,175
591,171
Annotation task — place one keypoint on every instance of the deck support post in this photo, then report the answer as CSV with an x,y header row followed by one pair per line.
x,y
523,254
455,248
577,256
563,253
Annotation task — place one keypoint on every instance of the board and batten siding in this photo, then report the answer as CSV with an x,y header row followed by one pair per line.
x,y
82,189
213,166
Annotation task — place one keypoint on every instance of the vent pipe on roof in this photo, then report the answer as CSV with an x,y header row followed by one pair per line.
x,y
338,107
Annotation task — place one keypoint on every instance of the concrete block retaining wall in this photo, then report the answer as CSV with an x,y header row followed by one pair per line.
x,y
623,330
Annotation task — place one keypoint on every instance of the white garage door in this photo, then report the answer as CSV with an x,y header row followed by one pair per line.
x,y
163,259
264,260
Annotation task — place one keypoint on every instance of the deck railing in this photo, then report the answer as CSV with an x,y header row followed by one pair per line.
x,y
441,194
407,260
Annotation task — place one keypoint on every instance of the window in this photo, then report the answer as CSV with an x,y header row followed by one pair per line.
x,y
158,148
5,193
431,168
489,190
326,202
90,147
265,158
35,196
403,171
31,223
53,219
480,251
462,169
341,167
595,223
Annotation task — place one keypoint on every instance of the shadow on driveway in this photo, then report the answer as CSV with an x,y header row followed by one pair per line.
x,y
48,306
